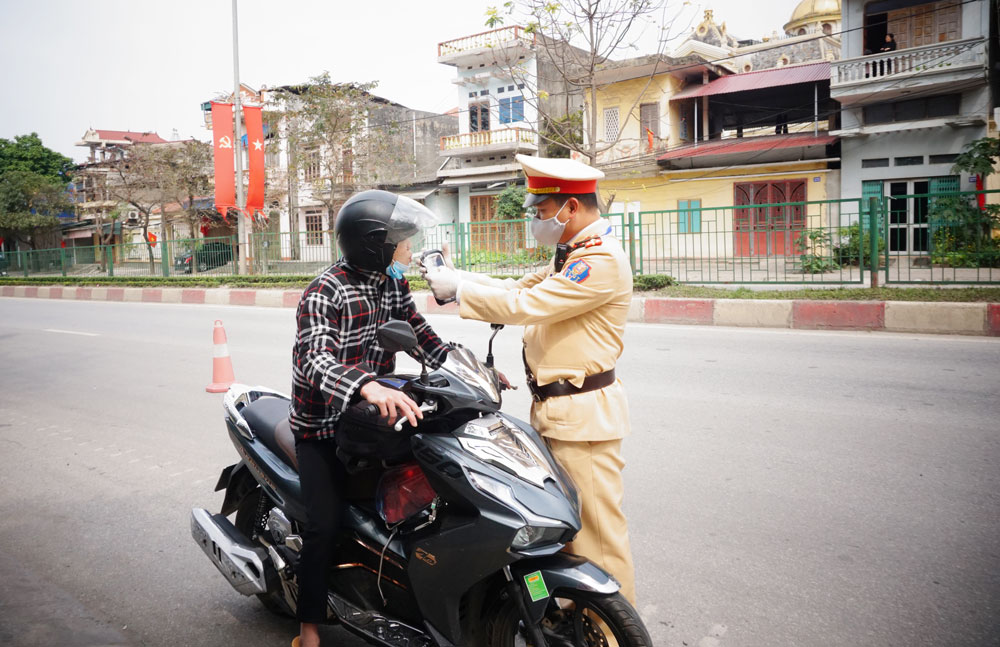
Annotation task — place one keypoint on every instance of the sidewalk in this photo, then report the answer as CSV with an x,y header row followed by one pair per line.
x,y
889,316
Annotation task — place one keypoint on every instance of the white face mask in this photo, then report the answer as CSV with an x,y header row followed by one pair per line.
x,y
549,230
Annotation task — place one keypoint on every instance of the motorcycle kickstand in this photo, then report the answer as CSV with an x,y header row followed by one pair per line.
x,y
534,629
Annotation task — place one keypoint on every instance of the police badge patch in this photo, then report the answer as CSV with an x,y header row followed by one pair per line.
x,y
577,271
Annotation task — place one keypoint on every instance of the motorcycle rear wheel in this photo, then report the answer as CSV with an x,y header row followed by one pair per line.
x,y
248,523
573,619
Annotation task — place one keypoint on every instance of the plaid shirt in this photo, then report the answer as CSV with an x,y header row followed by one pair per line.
x,y
337,349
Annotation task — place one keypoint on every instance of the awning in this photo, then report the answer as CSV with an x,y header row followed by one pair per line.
x,y
737,145
480,179
79,233
418,194
781,76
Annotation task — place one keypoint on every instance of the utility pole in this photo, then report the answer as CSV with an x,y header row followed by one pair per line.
x,y
241,227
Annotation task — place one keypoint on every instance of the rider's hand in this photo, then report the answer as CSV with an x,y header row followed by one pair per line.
x,y
390,402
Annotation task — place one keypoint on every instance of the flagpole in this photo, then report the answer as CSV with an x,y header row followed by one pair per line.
x,y
241,228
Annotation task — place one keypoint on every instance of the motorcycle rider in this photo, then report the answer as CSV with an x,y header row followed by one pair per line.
x,y
336,359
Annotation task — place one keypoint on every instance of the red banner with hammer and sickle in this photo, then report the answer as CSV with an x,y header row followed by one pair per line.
x,y
255,155
225,163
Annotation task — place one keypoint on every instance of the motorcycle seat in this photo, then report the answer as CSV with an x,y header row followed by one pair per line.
x,y
268,419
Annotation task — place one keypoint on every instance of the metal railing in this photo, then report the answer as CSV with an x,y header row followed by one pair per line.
x,y
494,38
933,238
512,136
910,61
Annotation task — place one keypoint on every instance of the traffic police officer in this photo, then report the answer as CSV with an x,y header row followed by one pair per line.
x,y
574,313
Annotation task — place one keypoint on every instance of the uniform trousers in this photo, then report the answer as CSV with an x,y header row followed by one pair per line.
x,y
596,469
322,476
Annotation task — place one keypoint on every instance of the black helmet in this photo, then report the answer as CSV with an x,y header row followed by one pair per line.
x,y
371,223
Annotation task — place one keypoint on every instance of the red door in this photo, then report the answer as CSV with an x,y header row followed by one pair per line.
x,y
759,227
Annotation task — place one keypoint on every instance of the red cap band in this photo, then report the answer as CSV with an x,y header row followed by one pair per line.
x,y
542,185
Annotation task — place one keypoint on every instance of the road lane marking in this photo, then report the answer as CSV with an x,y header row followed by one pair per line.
x,y
72,332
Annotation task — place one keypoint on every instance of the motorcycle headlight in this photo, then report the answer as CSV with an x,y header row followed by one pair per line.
x,y
539,530
530,536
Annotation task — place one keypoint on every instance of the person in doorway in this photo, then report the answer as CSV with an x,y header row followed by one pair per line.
x,y
574,313
336,360
890,43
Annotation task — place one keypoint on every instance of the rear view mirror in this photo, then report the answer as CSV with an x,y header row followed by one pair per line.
x,y
397,336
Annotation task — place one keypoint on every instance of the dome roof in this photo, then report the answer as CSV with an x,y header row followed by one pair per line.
x,y
813,11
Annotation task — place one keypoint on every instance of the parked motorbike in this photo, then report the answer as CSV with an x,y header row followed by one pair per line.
x,y
451,532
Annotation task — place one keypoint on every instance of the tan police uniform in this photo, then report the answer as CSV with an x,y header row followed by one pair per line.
x,y
574,322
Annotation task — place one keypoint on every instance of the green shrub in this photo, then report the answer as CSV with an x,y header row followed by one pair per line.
x,y
852,241
961,233
812,245
646,282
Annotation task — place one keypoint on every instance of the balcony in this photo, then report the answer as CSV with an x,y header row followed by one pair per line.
x,y
505,44
489,141
942,67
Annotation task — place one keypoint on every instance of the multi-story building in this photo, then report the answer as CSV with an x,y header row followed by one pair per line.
x,y
90,192
700,141
501,84
911,106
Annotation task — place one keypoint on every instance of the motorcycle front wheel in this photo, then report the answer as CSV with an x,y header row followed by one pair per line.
x,y
573,619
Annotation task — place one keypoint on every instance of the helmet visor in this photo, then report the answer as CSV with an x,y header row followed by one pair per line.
x,y
408,218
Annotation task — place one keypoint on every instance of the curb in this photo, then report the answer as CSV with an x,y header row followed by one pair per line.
x,y
888,316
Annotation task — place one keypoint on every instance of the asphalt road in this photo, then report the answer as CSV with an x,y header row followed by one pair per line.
x,y
783,487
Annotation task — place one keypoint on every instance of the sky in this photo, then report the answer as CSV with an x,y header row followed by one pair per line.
x,y
148,65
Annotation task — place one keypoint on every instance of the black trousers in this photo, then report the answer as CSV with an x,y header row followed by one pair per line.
x,y
322,476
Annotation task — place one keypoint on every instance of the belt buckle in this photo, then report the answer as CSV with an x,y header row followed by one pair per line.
x,y
533,388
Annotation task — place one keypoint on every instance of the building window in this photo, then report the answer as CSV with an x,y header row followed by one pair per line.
x,y
945,105
311,165
911,160
827,28
689,216
611,124
479,117
511,109
946,158
314,226
878,162
347,166
649,119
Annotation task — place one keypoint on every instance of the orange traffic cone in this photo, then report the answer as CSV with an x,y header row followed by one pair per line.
x,y
222,366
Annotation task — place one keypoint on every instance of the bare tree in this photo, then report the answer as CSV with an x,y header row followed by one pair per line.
x,y
140,179
331,139
187,175
574,39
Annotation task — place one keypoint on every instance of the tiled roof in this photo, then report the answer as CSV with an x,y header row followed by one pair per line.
x,y
777,77
747,145
126,135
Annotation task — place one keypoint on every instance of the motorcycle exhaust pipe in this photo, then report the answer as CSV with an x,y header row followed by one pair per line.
x,y
242,563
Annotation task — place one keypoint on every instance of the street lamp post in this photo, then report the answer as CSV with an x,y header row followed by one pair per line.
x,y
241,228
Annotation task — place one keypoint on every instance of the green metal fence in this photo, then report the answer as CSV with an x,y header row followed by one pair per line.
x,y
940,238
922,238
792,242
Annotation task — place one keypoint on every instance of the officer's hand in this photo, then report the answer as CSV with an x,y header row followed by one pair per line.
x,y
505,383
443,283
390,402
446,252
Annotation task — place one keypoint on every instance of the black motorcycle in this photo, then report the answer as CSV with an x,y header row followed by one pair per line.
x,y
451,531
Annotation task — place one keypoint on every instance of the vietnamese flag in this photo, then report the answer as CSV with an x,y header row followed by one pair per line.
x,y
255,155
152,239
649,138
225,163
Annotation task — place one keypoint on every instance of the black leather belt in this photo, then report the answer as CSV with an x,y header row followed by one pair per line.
x,y
563,387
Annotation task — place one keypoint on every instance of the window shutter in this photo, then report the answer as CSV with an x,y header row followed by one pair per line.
x,y
682,216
